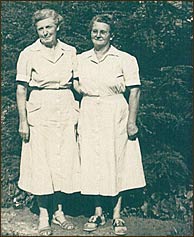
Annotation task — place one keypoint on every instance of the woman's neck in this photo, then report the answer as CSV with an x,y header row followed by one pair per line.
x,y
51,51
51,45
101,51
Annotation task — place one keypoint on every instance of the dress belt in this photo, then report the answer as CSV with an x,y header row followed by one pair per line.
x,y
102,96
33,88
42,88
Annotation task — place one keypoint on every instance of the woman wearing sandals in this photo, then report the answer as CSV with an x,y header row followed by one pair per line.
x,y
109,147
50,163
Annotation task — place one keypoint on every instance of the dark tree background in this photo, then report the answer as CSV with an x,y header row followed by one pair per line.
x,y
159,34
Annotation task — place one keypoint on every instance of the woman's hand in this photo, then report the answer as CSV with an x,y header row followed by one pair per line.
x,y
24,131
132,131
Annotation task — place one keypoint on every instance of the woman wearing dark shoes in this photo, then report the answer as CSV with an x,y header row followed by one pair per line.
x,y
109,147
50,163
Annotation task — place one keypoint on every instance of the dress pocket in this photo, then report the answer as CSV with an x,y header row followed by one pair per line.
x,y
120,76
32,107
33,113
76,110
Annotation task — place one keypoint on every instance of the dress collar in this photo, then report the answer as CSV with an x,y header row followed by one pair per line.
x,y
92,55
37,45
60,49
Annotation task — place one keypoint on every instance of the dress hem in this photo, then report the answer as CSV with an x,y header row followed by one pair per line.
x,y
113,194
46,193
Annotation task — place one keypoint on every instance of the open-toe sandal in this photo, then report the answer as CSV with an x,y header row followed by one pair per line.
x,y
94,222
119,227
45,231
44,228
59,219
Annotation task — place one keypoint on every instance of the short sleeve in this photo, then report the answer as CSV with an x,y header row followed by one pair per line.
x,y
23,67
75,63
130,70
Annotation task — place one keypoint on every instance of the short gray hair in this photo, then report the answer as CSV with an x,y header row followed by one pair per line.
x,y
104,18
47,13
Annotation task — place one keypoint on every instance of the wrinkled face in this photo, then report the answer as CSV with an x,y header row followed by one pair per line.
x,y
47,31
100,34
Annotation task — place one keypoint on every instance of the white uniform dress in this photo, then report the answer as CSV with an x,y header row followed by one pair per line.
x,y
50,160
110,163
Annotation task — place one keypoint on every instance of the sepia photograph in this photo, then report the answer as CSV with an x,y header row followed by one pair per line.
x,y
96,118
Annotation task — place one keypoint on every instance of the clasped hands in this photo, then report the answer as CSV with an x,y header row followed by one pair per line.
x,y
132,131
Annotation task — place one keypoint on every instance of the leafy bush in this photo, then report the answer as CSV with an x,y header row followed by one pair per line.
x,y
159,34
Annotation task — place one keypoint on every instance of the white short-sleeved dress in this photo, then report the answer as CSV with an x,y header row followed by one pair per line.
x,y
50,160
110,163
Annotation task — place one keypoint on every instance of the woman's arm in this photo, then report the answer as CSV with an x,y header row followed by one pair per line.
x,y
76,86
133,101
21,94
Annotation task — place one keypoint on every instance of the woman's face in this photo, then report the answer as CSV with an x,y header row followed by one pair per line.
x,y
100,34
47,31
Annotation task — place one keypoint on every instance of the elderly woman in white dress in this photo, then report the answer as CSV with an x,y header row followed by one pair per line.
x,y
109,147
49,160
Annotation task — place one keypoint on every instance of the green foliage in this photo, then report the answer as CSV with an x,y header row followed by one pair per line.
x,y
165,169
159,34
165,116
160,205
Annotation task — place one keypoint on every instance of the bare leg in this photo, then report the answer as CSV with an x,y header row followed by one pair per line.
x,y
44,226
118,223
57,201
98,205
59,209
117,207
59,217
43,218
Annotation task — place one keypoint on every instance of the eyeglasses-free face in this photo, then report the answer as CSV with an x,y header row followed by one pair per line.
x,y
47,31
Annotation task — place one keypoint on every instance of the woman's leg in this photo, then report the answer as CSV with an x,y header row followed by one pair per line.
x,y
43,202
59,217
117,201
98,217
98,202
118,223
44,226
58,201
